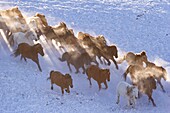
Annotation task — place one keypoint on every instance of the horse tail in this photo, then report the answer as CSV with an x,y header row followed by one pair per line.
x,y
121,59
61,59
16,52
50,75
48,78
64,57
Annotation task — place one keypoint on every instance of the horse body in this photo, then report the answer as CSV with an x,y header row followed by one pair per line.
x,y
143,78
146,85
99,75
64,81
26,37
30,52
158,72
77,60
134,59
155,71
109,52
128,91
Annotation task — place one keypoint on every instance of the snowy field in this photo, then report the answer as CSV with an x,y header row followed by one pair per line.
x,y
133,25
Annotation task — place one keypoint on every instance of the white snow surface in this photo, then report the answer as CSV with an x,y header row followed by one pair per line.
x,y
133,25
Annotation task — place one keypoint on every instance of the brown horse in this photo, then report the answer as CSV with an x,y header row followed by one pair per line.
x,y
30,52
78,60
99,75
64,81
157,72
146,84
143,79
134,59
109,52
153,70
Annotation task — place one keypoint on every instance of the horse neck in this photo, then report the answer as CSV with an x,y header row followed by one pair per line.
x,y
34,49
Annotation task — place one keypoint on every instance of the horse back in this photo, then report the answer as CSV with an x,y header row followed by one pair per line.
x,y
57,78
95,72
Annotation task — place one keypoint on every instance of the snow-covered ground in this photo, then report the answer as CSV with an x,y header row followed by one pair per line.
x,y
133,25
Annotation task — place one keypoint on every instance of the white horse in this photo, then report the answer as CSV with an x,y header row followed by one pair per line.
x,y
26,37
127,90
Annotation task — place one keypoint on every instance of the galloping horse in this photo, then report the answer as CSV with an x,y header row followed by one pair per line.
x,y
30,52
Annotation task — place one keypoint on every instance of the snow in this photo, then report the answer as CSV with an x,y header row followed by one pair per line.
x,y
133,25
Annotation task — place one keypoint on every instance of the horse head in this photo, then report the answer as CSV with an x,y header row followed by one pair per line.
x,y
164,73
69,80
39,49
143,56
31,34
115,51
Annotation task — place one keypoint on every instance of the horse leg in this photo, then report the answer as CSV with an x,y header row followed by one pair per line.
x,y
51,86
21,57
159,82
68,64
105,83
62,90
25,59
108,61
77,70
118,99
125,74
99,57
67,90
84,70
99,84
104,61
37,62
150,98
95,61
114,62
89,78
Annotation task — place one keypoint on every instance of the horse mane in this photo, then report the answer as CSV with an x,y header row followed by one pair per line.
x,y
38,44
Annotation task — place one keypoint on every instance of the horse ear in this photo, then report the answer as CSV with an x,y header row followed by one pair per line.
x,y
27,34
129,90
143,53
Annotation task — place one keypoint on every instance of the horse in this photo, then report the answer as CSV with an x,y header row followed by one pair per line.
x,y
109,52
21,37
134,59
127,90
77,60
105,51
143,79
157,72
64,81
99,75
30,52
146,84
4,27
14,19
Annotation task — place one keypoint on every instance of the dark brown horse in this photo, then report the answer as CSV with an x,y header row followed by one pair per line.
x,y
78,60
109,52
30,52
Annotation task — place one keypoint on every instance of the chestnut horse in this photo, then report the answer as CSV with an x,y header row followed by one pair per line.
x,y
98,74
30,52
